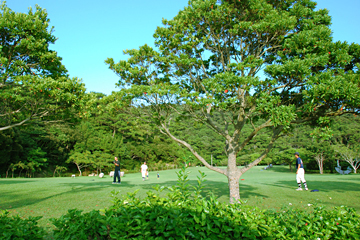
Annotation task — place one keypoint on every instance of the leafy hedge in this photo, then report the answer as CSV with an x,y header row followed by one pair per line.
x,y
186,214
13,228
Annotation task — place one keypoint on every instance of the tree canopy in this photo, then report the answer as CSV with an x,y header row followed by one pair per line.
x,y
247,60
34,84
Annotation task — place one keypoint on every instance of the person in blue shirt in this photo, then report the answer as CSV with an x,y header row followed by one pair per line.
x,y
300,172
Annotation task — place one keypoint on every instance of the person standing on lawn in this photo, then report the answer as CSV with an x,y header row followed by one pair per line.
x,y
300,172
143,170
117,171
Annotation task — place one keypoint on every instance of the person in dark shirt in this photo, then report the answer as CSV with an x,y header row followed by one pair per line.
x,y
117,171
300,172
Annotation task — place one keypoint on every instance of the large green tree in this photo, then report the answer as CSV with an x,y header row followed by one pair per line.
x,y
245,60
33,82
123,135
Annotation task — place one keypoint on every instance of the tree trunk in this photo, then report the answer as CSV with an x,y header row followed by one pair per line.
x,y
234,188
320,161
78,167
233,174
321,167
7,171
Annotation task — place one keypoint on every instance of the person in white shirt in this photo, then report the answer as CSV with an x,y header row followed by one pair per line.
x,y
143,170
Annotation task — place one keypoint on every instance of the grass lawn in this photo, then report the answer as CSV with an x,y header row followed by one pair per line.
x,y
274,188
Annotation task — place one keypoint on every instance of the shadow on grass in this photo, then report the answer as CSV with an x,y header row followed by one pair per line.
x,y
325,186
350,177
77,188
219,189
281,168
8,182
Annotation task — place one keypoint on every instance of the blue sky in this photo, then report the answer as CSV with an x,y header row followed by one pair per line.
x,y
90,31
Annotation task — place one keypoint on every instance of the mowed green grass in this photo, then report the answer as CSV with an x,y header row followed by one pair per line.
x,y
266,189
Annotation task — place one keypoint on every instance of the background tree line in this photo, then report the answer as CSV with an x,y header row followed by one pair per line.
x,y
91,143
49,125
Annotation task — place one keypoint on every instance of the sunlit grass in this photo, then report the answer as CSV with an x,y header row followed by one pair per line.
x,y
266,189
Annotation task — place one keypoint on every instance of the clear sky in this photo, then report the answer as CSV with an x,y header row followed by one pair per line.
x,y
89,31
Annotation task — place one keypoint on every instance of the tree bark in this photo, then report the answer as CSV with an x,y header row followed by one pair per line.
x,y
14,125
78,167
233,174
7,171
320,161
234,188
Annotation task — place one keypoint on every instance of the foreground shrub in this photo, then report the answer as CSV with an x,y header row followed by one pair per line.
x,y
15,227
186,214
75,225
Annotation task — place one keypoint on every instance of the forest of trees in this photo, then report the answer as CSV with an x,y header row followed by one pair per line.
x,y
38,149
49,125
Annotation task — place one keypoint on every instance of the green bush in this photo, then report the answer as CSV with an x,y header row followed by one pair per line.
x,y
74,225
15,227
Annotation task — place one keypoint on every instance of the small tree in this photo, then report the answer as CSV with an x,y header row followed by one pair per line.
x,y
11,166
319,157
20,165
284,156
102,160
59,169
36,159
350,156
320,150
81,160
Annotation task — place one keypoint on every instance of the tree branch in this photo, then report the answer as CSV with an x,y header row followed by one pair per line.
x,y
253,134
188,146
14,125
276,133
